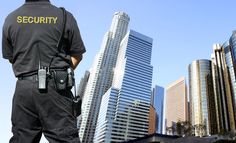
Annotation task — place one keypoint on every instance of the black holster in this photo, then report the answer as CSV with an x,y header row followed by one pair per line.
x,y
63,79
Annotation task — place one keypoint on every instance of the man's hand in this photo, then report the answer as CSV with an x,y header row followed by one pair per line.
x,y
76,60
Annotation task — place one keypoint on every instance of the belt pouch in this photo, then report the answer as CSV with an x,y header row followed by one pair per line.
x,y
60,79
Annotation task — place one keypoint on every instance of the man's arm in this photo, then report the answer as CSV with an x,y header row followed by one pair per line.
x,y
7,48
77,48
75,61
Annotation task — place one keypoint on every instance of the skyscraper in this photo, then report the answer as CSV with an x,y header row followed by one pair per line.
x,y
202,101
157,101
101,75
230,52
124,111
83,84
80,92
222,90
176,103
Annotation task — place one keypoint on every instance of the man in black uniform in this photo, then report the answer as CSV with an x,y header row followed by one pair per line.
x,y
30,37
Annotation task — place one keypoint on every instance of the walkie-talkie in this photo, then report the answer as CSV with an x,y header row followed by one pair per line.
x,y
42,76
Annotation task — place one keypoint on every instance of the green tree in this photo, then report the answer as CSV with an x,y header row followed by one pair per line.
x,y
181,128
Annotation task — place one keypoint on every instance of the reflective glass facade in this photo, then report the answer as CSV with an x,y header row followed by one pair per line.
x,y
158,101
230,52
201,93
222,88
124,111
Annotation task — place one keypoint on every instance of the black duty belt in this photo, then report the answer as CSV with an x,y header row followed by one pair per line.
x,y
30,77
34,76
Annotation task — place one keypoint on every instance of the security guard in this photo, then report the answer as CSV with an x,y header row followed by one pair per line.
x,y
30,42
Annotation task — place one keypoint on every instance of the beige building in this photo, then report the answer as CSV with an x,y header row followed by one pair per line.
x,y
176,103
152,120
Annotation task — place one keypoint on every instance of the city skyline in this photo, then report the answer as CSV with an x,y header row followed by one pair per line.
x,y
182,32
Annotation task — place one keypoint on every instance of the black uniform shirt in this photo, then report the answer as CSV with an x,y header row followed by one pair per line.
x,y
31,33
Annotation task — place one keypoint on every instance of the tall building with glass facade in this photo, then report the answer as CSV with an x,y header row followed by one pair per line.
x,y
157,100
124,110
230,52
222,90
176,104
202,101
101,75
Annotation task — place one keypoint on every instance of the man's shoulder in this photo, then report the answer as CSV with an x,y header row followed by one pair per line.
x,y
14,12
70,16
68,13
11,16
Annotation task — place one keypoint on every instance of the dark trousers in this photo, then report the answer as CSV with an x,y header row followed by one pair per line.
x,y
50,113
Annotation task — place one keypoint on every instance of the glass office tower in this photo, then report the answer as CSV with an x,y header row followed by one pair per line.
x,y
222,90
201,93
101,75
124,111
230,52
157,101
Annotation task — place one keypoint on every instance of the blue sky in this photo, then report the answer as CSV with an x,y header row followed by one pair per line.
x,y
182,31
